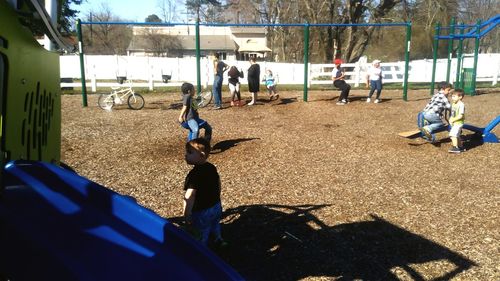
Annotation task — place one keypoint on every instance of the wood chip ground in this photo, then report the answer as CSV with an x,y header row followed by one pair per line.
x,y
311,190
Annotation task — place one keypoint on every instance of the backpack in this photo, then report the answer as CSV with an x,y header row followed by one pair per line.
x,y
233,72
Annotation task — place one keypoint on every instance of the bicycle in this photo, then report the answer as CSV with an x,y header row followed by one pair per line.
x,y
203,98
118,95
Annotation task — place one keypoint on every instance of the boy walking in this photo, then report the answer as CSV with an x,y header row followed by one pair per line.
x,y
202,203
435,109
457,120
189,117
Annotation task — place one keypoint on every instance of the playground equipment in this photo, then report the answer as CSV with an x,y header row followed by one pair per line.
x,y
55,224
197,25
486,134
466,77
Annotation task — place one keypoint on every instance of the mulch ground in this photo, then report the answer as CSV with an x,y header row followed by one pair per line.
x,y
311,190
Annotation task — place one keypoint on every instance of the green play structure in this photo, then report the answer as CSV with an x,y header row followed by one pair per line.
x,y
466,76
30,104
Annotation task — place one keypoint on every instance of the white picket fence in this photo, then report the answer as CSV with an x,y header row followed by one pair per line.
x,y
102,71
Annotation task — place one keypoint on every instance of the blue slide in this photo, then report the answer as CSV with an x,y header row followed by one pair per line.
x,y
57,225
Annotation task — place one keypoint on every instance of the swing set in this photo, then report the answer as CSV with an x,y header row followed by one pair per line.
x,y
305,26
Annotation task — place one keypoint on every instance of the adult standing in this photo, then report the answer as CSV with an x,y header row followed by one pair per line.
x,y
338,75
253,79
219,68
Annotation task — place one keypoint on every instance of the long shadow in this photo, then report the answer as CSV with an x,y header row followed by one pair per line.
x,y
227,144
278,242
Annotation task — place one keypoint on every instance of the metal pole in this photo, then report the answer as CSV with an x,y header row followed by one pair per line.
x,y
198,73
407,61
459,59
82,62
434,56
306,58
450,49
476,51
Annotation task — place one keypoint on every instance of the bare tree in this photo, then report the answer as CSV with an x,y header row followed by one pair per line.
x,y
470,11
159,44
168,9
106,39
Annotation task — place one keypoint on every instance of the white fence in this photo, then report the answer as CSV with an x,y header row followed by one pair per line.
x,y
102,71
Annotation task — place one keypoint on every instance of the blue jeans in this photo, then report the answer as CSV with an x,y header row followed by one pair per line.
x,y
434,121
217,90
194,126
375,85
208,221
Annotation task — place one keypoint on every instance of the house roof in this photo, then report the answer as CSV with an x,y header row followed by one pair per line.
x,y
207,42
253,46
247,30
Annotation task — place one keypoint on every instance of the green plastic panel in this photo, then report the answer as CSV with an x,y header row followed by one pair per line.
x,y
30,94
467,82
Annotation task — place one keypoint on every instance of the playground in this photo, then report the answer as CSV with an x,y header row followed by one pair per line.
x,y
312,191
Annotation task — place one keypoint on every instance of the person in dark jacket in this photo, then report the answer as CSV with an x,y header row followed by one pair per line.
x,y
253,79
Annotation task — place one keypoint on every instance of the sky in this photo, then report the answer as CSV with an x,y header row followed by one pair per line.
x,y
132,10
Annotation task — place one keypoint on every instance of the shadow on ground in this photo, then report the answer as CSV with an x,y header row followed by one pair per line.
x,y
283,101
227,144
277,242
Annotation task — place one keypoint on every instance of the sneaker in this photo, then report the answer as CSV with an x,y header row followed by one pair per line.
x,y
368,100
218,107
251,103
454,150
345,101
340,103
426,134
462,149
377,101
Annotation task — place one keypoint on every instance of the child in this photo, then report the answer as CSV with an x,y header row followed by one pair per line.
x,y
338,75
457,120
234,85
189,118
434,110
202,203
374,79
270,84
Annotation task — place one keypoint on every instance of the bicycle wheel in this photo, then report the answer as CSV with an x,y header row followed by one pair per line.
x,y
135,101
106,101
204,98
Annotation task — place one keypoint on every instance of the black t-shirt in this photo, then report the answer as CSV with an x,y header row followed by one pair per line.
x,y
220,68
192,107
206,181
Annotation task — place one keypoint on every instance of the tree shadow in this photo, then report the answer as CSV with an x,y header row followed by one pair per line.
x,y
279,242
227,144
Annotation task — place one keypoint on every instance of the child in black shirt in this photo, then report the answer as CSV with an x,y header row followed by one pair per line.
x,y
202,204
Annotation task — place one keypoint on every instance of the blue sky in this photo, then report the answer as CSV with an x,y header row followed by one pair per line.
x,y
133,10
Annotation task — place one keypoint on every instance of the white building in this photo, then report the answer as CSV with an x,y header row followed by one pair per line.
x,y
233,43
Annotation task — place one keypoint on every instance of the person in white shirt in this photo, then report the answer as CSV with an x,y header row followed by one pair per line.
x,y
374,80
